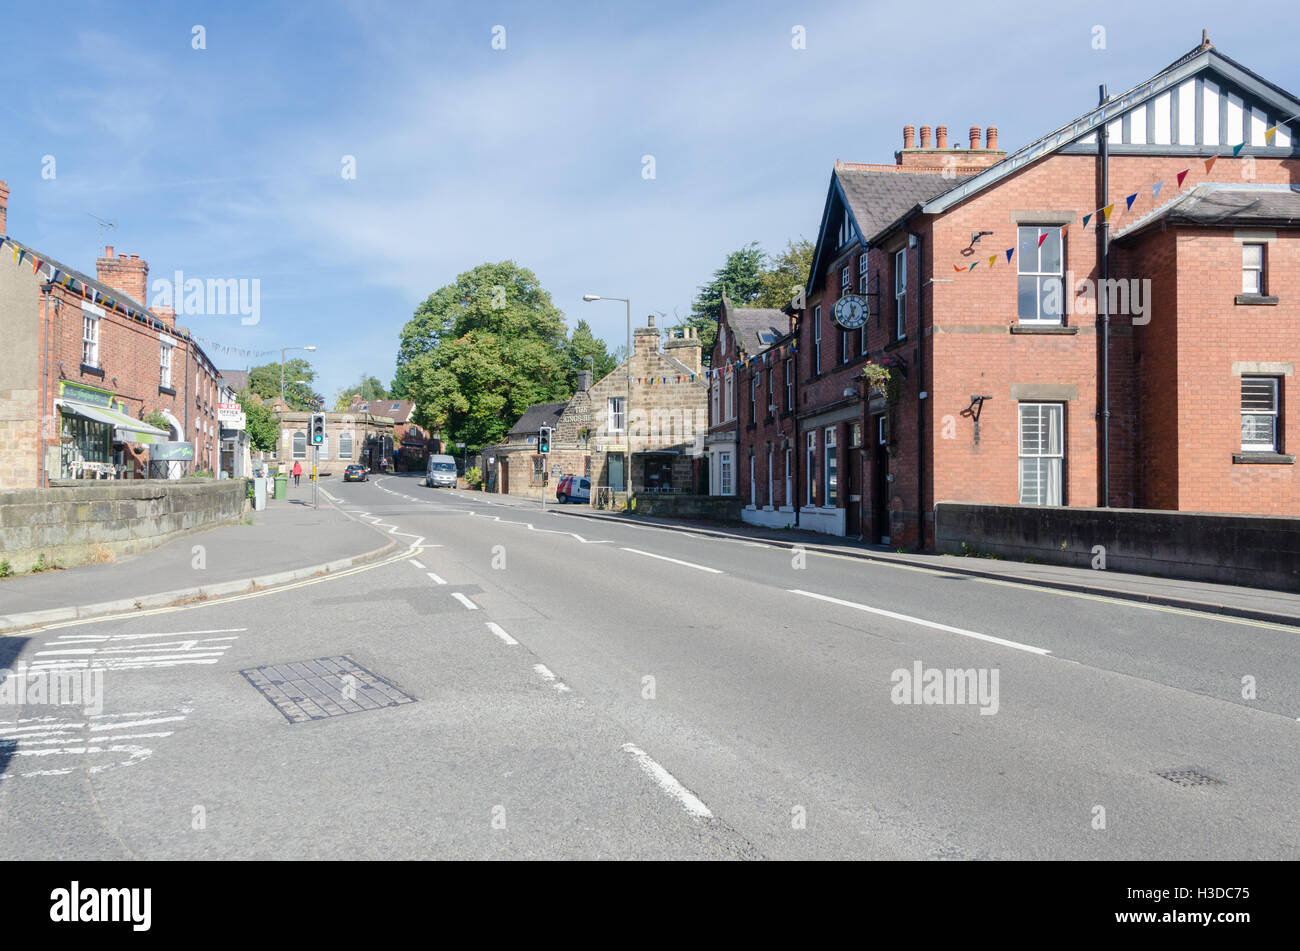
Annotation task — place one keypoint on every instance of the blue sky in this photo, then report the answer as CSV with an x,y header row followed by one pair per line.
x,y
226,161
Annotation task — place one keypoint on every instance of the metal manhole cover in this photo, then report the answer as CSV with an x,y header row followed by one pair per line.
x,y
322,688
1189,776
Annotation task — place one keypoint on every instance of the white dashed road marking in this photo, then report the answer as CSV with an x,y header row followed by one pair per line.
x,y
668,783
675,561
470,605
924,623
497,630
435,578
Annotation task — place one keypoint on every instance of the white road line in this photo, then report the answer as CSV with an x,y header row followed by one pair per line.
x,y
496,629
89,638
544,672
98,727
668,783
675,561
436,579
924,623
416,563
464,600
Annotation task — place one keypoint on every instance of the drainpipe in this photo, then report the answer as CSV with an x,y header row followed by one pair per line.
x,y
920,388
1104,302
46,408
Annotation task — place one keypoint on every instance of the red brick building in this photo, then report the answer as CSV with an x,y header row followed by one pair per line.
x,y
85,362
983,276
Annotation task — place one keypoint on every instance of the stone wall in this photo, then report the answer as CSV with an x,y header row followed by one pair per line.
x,y
78,524
1258,551
688,506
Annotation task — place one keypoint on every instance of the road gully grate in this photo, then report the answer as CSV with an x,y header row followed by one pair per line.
x,y
1189,776
326,687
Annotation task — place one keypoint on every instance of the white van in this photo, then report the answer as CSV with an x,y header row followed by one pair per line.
x,y
441,473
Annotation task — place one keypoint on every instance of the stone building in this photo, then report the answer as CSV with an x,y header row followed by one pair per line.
x,y
349,437
654,443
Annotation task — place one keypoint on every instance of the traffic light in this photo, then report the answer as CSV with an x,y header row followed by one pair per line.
x,y
318,429
544,440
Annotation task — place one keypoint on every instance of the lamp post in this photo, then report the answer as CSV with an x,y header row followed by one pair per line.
x,y
283,351
627,406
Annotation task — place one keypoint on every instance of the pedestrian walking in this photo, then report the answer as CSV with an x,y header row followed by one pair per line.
x,y
297,474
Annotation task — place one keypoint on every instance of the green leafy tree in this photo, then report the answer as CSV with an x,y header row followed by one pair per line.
x,y
480,351
587,352
784,274
263,425
400,388
265,382
368,388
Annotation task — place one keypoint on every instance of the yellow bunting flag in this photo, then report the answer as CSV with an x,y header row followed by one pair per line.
x,y
1107,210
992,258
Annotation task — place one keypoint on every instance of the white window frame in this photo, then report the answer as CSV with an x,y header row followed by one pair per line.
x,y
726,478
1023,260
715,399
769,478
730,395
788,498
1253,273
900,294
295,452
755,382
617,414
844,280
1274,391
789,384
753,486
350,441
90,340
830,470
165,364
817,339
1044,460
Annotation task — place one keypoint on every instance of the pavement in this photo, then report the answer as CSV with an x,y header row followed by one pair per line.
x,y
1256,603
287,540
606,689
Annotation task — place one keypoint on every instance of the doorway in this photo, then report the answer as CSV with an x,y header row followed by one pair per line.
x,y
880,481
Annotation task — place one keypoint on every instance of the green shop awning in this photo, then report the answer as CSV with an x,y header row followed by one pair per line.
x,y
125,428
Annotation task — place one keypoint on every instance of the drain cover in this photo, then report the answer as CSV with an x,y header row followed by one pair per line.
x,y
322,688
1189,776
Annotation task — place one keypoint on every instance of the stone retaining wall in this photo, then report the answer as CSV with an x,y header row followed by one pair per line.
x,y
98,520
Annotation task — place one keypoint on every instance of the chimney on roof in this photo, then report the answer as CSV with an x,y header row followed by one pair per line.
x,y
584,381
941,157
909,136
165,314
1205,40
130,275
925,136
646,339
974,138
687,349
991,137
4,206
941,137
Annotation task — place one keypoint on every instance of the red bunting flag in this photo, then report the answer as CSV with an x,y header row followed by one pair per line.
x,y
1182,175
1041,238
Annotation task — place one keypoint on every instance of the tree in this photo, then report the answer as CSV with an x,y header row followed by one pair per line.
x,y
265,382
587,352
263,425
785,274
400,388
368,388
480,351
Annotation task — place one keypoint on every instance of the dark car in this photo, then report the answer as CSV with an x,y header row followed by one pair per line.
x,y
355,473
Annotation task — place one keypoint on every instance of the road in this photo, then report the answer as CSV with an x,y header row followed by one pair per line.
x,y
583,688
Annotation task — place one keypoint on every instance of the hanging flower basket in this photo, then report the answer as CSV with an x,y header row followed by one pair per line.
x,y
885,378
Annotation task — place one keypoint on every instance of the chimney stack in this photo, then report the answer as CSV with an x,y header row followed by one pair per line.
x,y
686,349
925,136
4,206
941,137
584,380
165,314
991,138
127,275
909,137
646,339
974,138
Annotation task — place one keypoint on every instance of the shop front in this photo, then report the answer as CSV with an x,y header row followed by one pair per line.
x,y
98,438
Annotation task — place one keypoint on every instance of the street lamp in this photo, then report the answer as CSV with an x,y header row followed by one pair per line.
x,y
627,365
283,351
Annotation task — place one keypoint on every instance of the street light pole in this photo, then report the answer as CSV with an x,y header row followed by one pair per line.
x,y
627,405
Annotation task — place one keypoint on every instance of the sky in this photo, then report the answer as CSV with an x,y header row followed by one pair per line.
x,y
230,161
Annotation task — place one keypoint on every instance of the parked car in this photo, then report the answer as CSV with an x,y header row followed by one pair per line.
x,y
441,472
355,473
572,488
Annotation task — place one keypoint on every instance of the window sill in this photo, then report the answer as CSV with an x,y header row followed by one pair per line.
x,y
86,368
895,344
166,391
1265,300
1042,329
1263,459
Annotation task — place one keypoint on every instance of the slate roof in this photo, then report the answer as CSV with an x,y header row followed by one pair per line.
x,y
235,379
1227,204
536,415
879,198
748,323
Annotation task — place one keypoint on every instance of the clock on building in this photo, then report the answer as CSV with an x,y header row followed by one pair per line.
x,y
851,311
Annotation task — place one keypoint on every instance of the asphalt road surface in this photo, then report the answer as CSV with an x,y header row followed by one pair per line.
x,y
520,684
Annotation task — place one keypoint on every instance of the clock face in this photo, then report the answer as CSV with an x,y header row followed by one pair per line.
x,y
851,312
